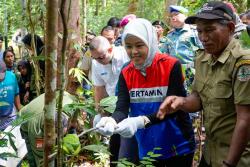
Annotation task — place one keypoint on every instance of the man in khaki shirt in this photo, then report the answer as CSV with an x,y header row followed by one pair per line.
x,y
221,89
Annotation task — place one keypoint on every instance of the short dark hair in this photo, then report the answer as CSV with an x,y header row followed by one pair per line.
x,y
114,22
107,28
158,22
6,51
38,42
91,33
1,37
247,14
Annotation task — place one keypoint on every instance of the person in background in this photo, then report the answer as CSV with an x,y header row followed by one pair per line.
x,y
221,88
115,23
39,49
182,42
89,36
246,18
109,33
126,19
86,60
159,27
9,94
9,59
143,85
25,82
106,67
10,48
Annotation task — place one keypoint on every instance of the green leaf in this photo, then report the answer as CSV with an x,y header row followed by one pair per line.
x,y
97,148
155,155
12,143
150,153
245,39
145,162
157,148
3,103
127,163
71,144
7,155
3,142
109,109
121,165
108,101
148,159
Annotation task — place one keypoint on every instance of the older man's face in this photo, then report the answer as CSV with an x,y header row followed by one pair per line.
x,y
214,36
177,19
101,56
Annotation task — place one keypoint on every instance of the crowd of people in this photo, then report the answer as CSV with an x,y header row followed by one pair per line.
x,y
162,81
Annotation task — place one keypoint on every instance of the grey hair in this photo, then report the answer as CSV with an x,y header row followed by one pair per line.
x,y
100,43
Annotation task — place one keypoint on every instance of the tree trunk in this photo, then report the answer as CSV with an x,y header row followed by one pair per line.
x,y
96,7
72,10
50,79
60,156
34,62
84,21
104,3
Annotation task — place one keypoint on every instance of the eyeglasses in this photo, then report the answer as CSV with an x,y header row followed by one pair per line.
x,y
99,56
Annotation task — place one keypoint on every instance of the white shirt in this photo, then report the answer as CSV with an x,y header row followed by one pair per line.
x,y
108,75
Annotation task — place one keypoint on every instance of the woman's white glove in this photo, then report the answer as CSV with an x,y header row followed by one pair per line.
x,y
106,126
129,126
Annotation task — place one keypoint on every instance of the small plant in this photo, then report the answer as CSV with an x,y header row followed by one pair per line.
x,y
147,161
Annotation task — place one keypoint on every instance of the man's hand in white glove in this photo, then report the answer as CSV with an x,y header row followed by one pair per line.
x,y
129,126
106,126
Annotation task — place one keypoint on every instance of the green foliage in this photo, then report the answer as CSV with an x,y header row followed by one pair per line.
x,y
148,9
79,75
17,16
145,162
245,39
96,148
71,144
108,104
195,5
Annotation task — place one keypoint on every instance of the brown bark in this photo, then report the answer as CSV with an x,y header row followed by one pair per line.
x,y
84,20
72,10
50,79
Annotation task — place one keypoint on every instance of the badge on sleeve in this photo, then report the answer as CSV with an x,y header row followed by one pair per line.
x,y
244,73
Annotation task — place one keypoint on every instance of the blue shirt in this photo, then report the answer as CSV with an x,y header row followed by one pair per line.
x,y
182,44
8,90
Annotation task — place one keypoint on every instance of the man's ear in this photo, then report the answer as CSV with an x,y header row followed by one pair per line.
x,y
231,26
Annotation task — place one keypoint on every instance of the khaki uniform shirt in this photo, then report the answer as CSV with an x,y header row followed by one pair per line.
x,y
221,84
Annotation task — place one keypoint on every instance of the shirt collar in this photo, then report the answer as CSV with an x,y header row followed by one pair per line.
x,y
224,55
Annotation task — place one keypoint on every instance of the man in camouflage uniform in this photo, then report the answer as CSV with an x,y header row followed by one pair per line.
x,y
182,41
221,88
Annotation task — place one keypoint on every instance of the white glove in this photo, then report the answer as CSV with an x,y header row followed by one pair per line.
x,y
96,119
106,126
129,126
